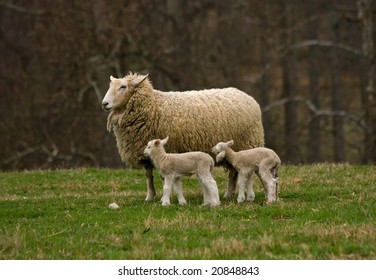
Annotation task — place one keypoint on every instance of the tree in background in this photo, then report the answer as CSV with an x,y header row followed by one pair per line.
x,y
314,77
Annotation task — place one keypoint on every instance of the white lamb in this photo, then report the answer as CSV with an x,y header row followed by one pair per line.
x,y
265,162
173,166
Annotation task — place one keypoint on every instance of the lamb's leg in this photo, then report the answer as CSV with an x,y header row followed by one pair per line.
x,y
167,189
250,191
210,189
149,182
231,185
204,190
242,180
270,185
179,191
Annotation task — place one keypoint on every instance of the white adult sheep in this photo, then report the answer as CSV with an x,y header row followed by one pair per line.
x,y
173,166
194,121
262,161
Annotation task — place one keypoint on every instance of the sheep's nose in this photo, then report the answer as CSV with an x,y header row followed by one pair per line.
x,y
104,105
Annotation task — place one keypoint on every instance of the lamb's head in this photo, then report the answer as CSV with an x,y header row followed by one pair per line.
x,y
220,150
154,145
120,91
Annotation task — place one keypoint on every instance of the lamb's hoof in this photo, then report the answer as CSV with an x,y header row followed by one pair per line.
x,y
165,203
183,202
240,199
215,204
251,198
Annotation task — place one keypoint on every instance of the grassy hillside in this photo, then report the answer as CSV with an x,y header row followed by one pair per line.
x,y
326,212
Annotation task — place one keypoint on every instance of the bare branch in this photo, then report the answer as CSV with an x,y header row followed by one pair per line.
x,y
323,43
20,155
21,9
317,112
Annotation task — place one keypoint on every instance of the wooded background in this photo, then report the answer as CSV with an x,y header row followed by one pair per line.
x,y
310,64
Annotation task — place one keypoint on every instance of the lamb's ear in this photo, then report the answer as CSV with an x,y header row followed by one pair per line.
x,y
230,143
220,156
157,142
112,78
164,141
138,80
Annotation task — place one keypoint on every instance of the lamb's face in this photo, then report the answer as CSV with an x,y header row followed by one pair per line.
x,y
117,94
152,146
220,147
149,148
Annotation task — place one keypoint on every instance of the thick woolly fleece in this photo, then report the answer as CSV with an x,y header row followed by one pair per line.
x,y
193,120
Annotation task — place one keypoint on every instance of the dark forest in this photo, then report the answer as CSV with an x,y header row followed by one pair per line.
x,y
310,64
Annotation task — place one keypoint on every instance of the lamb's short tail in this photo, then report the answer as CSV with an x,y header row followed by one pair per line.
x,y
274,170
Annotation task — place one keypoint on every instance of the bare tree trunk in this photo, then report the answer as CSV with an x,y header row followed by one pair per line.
x,y
336,92
265,83
289,79
314,140
368,90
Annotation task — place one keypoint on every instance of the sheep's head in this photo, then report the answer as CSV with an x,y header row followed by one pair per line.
x,y
220,150
153,145
120,91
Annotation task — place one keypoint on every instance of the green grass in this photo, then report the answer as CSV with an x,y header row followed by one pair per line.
x,y
326,212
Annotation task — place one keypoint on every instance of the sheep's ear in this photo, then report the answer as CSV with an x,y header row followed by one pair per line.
x,y
112,78
230,143
164,141
138,80
157,142
220,156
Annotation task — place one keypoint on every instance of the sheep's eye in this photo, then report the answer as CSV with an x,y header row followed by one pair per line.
x,y
123,87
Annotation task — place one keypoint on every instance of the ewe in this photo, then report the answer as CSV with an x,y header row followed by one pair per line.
x,y
265,162
173,166
194,120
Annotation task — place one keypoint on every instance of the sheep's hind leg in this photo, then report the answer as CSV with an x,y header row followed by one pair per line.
x,y
231,185
149,182
179,191
167,189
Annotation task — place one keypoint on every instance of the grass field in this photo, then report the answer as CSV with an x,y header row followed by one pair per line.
x,y
326,212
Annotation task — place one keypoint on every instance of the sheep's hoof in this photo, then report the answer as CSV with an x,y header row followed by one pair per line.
x,y
227,195
150,197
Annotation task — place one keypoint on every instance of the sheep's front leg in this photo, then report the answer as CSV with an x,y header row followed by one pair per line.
x,y
231,185
242,180
167,189
179,191
149,182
